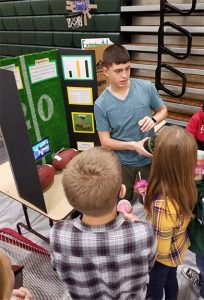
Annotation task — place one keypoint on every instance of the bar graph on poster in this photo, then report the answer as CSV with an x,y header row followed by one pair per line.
x,y
77,67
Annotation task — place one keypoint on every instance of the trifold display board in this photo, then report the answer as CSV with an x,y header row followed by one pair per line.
x,y
39,86
46,103
78,70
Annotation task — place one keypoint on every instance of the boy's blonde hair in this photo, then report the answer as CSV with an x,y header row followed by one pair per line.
x,y
92,181
5,277
173,169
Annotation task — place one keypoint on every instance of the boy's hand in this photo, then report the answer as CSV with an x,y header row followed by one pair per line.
x,y
22,294
139,148
146,124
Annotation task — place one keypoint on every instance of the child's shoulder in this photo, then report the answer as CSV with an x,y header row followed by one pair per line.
x,y
141,228
166,205
102,97
166,211
60,227
142,82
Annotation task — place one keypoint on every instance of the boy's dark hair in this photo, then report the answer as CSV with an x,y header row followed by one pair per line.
x,y
92,181
203,107
116,54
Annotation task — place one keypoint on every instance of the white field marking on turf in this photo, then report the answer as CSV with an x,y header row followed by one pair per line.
x,y
30,102
50,107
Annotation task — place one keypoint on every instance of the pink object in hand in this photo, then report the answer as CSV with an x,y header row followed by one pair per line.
x,y
141,184
124,206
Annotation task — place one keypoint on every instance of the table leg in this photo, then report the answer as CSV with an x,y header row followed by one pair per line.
x,y
28,227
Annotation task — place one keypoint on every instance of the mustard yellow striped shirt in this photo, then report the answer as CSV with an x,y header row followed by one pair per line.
x,y
171,232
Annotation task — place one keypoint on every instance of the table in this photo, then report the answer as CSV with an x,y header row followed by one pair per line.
x,y
58,208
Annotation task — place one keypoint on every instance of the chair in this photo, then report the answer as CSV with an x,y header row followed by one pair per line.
x,y
23,8
14,50
107,22
43,23
1,24
10,23
44,38
13,37
8,9
27,37
27,49
4,49
108,6
64,39
59,23
26,23
3,37
43,48
58,7
40,7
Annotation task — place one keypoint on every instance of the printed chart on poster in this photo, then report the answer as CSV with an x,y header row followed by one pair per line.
x,y
80,95
77,67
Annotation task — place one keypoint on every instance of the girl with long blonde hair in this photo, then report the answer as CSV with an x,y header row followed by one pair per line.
x,y
170,199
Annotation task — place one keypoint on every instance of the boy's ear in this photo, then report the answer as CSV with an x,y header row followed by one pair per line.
x,y
122,191
105,71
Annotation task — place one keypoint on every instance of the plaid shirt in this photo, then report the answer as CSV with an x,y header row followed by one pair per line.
x,y
171,231
103,262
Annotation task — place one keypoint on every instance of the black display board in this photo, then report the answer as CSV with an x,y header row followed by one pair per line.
x,y
78,73
16,138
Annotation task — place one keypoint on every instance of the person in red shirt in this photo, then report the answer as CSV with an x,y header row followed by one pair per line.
x,y
196,127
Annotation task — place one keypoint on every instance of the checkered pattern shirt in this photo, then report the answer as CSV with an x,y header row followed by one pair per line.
x,y
103,262
171,231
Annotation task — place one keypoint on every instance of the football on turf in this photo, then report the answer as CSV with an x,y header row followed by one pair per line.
x,y
46,174
63,157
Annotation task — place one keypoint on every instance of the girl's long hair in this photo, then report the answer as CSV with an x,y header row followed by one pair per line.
x,y
173,170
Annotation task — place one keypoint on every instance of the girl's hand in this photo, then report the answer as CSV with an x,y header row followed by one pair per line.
x,y
125,208
140,191
140,187
130,216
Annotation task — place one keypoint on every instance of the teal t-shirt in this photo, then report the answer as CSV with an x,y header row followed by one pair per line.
x,y
121,117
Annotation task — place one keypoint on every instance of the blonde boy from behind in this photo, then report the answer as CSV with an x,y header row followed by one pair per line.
x,y
100,255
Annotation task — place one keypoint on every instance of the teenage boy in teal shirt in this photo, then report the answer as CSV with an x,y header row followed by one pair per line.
x,y
126,113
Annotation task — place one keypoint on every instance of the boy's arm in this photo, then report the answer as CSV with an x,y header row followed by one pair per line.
x,y
112,144
148,123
